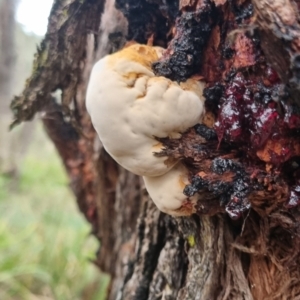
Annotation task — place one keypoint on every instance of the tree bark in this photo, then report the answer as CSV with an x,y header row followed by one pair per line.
x,y
243,243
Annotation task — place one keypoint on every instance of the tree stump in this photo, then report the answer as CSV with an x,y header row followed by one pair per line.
x,y
243,243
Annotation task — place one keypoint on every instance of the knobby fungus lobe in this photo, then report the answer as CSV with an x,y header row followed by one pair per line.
x,y
131,109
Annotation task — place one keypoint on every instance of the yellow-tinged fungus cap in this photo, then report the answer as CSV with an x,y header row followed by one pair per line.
x,y
130,107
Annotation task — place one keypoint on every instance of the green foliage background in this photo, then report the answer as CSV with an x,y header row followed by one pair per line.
x,y
46,250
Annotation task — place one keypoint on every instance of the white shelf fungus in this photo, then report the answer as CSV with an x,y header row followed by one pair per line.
x,y
130,106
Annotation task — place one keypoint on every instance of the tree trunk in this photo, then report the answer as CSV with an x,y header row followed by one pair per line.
x,y
243,243
7,59
13,145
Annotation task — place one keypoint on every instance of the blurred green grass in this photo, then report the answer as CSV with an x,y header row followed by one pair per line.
x,y
45,246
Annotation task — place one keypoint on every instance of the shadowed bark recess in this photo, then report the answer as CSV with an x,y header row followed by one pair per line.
x,y
279,28
244,164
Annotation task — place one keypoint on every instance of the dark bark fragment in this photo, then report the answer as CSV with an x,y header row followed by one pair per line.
x,y
184,54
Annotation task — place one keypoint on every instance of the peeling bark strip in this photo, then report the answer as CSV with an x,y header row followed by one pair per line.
x,y
246,153
58,62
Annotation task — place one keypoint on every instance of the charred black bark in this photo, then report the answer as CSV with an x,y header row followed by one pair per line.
x,y
184,56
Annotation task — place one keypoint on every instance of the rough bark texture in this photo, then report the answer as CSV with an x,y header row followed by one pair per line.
x,y
244,161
